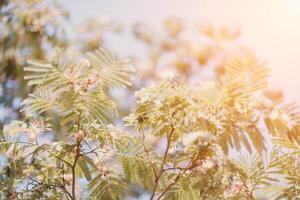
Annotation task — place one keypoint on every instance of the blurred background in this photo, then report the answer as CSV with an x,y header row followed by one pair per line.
x,y
189,39
269,27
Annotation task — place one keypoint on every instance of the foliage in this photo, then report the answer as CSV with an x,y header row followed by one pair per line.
x,y
277,175
29,28
73,90
195,127
197,121
184,138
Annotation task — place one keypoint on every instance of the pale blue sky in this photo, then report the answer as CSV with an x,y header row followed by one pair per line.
x,y
270,27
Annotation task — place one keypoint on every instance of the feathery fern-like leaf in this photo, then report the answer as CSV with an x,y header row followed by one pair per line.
x,y
111,71
106,188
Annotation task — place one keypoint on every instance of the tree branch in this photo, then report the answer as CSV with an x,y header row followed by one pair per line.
x,y
73,168
64,181
161,171
77,155
192,164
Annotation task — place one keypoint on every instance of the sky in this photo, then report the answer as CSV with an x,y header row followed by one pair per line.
x,y
271,28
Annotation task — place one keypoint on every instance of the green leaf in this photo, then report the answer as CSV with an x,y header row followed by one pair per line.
x,y
111,71
106,188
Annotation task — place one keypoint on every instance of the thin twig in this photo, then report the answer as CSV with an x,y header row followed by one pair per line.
x,y
77,155
89,152
64,181
170,185
192,164
41,184
73,169
69,164
161,171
